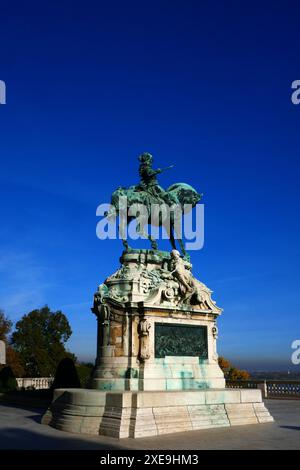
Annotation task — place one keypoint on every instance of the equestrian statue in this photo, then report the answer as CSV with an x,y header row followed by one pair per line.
x,y
179,199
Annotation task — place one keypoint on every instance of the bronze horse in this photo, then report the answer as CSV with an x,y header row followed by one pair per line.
x,y
181,196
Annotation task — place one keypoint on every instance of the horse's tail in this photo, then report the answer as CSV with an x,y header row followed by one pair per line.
x,y
175,186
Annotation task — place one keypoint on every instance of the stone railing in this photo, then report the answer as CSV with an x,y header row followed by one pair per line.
x,y
37,383
283,388
270,388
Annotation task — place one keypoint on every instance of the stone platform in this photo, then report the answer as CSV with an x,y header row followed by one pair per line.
x,y
157,369
140,414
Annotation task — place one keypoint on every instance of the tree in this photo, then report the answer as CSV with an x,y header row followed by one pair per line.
x,y
231,372
8,382
224,363
84,370
5,326
12,358
14,362
237,374
40,338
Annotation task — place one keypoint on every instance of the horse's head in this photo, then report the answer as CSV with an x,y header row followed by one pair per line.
x,y
185,194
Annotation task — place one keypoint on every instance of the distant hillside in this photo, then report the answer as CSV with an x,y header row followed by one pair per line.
x,y
279,375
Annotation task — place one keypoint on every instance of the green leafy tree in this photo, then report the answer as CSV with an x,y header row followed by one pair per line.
x,y
84,371
40,338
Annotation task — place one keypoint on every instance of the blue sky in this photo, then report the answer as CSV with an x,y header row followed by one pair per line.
x,y
204,86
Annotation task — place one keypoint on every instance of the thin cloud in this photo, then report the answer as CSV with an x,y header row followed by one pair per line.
x,y
243,277
23,283
76,306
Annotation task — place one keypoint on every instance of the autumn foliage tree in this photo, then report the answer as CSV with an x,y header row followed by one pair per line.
x,y
12,357
5,326
39,339
231,372
237,374
224,363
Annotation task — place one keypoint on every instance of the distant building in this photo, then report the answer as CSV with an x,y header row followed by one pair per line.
x,y
2,352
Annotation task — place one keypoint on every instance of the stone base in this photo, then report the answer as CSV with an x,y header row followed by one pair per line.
x,y
140,414
169,373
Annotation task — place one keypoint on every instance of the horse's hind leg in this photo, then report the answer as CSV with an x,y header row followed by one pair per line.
x,y
154,244
125,244
181,243
171,237
183,250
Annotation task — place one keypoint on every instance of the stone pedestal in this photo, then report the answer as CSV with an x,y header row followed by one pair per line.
x,y
154,333
157,366
140,414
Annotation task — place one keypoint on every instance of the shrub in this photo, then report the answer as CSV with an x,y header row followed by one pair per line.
x,y
84,371
66,375
8,381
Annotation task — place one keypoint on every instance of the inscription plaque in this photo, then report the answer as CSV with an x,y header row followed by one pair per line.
x,y
180,340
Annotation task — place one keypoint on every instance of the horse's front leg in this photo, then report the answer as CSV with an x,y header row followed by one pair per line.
x,y
124,241
170,232
154,244
182,248
143,232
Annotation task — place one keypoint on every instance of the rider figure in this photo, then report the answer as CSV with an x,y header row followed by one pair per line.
x,y
149,181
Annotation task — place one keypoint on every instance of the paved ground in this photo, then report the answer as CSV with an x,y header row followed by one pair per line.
x,y
21,429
